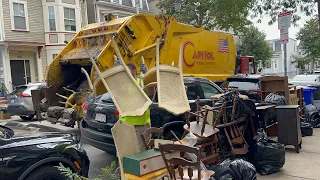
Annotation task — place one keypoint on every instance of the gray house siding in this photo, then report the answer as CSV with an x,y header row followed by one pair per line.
x,y
36,23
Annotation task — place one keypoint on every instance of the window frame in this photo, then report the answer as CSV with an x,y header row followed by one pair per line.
x,y
54,55
55,18
25,5
75,18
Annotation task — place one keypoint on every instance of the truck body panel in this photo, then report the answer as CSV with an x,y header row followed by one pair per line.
x,y
206,53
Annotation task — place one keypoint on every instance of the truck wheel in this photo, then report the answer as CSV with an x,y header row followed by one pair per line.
x,y
46,172
28,117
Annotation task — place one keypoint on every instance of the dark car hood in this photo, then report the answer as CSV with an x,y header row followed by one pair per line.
x,y
32,134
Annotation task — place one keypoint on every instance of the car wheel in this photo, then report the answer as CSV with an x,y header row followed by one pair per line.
x,y
28,117
47,172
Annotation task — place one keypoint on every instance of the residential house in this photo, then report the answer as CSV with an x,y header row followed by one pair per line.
x,y
2,46
277,62
62,20
97,10
24,40
33,32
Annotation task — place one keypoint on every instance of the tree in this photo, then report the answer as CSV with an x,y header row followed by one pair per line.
x,y
272,8
253,43
221,14
309,41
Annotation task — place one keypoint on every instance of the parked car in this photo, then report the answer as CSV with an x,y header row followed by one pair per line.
x,y
306,80
32,152
20,101
248,85
100,114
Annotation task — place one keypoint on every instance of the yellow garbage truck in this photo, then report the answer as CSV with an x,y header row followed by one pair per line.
x,y
205,54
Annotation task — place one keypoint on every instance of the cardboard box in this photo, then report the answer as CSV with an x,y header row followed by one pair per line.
x,y
145,162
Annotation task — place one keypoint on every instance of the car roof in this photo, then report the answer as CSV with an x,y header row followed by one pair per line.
x,y
251,76
190,79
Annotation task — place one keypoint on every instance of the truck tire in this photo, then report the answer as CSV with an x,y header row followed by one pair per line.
x,y
28,117
46,172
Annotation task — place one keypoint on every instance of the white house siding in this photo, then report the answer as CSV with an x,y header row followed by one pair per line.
x,y
277,61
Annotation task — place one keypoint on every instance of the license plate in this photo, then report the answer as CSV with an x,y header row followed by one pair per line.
x,y
101,118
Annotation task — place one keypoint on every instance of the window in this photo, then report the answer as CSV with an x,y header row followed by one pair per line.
x,y
54,56
70,19
52,18
294,48
208,90
277,46
19,15
275,64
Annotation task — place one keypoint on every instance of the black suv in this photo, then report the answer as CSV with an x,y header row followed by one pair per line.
x,y
100,114
32,152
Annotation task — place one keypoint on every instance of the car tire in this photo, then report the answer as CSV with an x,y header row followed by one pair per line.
x,y
46,172
28,117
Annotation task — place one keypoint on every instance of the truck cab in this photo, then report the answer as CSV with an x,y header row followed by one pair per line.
x,y
246,65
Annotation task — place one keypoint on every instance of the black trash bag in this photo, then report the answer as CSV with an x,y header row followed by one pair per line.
x,y
241,108
235,170
276,99
268,155
306,129
314,119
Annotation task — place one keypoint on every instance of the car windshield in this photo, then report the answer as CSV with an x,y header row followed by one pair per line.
x,y
243,84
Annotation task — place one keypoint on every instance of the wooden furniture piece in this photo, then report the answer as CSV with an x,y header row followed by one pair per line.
x,y
146,162
149,134
289,132
264,120
157,175
187,170
296,97
274,85
207,135
235,138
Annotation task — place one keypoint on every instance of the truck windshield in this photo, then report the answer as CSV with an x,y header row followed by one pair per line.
x,y
244,84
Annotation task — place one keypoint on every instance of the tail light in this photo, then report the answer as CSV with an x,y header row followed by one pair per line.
x,y
23,95
117,113
85,106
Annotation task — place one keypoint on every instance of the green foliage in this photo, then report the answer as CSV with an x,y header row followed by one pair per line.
x,y
221,14
253,43
271,8
108,173
309,39
300,62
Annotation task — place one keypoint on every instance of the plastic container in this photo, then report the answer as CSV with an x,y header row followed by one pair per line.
x,y
308,93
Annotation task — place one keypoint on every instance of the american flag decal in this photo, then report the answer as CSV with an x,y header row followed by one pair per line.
x,y
223,45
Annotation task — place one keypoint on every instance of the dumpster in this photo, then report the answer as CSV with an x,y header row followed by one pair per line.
x,y
308,93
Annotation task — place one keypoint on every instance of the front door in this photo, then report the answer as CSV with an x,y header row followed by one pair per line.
x,y
20,72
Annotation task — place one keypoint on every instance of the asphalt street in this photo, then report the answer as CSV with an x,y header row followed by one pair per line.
x,y
98,159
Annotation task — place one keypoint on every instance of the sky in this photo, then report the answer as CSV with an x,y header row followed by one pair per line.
x,y
272,31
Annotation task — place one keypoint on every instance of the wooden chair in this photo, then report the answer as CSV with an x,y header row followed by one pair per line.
x,y
148,135
235,138
208,135
186,169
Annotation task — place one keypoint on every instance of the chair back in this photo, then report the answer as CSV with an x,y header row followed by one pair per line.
x,y
185,167
149,134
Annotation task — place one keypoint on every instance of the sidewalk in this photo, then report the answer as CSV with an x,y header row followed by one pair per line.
x,y
303,165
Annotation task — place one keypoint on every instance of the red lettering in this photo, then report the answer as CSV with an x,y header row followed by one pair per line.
x,y
195,55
